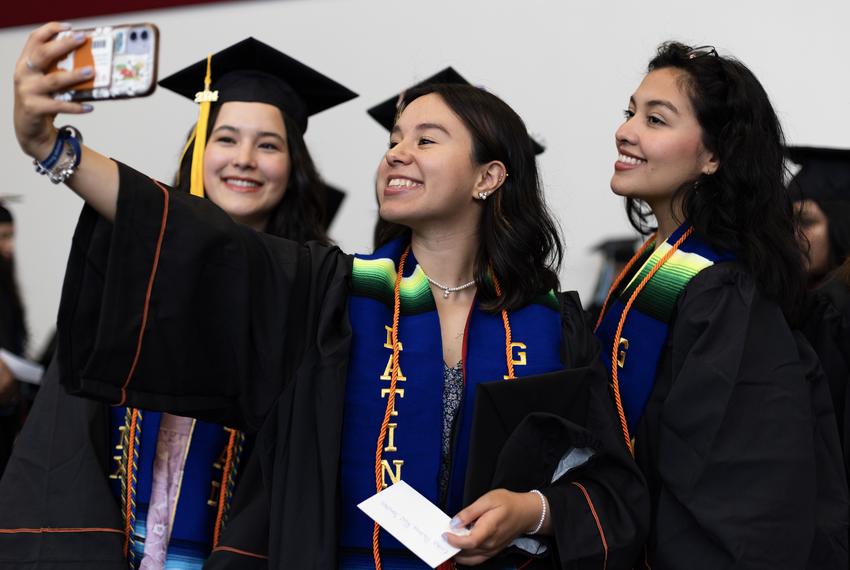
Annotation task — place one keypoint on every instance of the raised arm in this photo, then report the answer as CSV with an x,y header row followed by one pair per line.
x,y
96,177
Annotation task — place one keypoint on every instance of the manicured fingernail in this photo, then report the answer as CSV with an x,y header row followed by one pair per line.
x,y
86,71
455,523
87,108
65,25
79,36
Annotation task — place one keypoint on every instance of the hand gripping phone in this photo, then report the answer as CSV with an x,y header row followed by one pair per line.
x,y
124,59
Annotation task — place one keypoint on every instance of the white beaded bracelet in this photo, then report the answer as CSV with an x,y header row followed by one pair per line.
x,y
542,512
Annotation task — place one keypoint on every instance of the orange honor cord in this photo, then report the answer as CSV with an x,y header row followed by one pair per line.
x,y
379,483
130,483
509,357
223,489
620,277
616,344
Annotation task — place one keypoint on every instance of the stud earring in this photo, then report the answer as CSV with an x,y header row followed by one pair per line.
x,y
483,195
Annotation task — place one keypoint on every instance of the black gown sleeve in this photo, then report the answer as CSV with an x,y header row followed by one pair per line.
x,y
827,328
177,308
600,509
733,451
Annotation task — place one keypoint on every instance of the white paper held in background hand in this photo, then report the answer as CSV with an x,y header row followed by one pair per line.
x,y
22,369
414,521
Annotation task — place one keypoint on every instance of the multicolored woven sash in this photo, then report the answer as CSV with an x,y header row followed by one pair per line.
x,y
412,447
638,318
206,490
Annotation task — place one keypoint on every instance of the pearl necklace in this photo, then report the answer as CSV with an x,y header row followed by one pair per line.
x,y
446,289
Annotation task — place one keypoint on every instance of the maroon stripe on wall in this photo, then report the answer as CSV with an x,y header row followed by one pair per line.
x,y
35,13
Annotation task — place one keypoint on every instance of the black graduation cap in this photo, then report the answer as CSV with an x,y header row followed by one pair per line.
x,y
251,71
521,429
256,72
824,172
333,200
385,112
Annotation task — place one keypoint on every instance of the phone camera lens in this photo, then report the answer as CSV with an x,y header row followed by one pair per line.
x,y
132,36
143,34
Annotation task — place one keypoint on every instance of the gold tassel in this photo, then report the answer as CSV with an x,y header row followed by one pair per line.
x,y
205,98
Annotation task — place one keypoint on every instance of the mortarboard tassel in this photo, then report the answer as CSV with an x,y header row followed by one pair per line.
x,y
205,98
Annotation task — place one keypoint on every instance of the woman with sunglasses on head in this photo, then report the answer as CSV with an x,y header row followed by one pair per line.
x,y
355,372
172,494
723,405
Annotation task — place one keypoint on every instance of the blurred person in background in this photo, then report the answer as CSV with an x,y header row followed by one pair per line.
x,y
13,337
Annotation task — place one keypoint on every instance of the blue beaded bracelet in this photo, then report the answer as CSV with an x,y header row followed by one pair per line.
x,y
65,156
54,155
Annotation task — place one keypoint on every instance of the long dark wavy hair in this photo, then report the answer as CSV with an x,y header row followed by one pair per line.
x,y
518,237
744,207
300,214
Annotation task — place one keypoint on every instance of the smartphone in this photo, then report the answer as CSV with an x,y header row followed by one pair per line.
x,y
124,59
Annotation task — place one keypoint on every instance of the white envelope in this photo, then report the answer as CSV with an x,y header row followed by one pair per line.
x,y
414,521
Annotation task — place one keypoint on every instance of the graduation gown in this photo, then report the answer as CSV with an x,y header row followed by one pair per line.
x,y
57,478
826,325
738,441
176,308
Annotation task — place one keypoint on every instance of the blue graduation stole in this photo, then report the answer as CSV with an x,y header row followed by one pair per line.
x,y
647,323
198,500
412,448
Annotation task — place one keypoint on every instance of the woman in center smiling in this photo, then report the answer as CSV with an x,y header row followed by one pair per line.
x,y
470,236
355,372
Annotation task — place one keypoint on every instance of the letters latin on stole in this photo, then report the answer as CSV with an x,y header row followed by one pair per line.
x,y
393,472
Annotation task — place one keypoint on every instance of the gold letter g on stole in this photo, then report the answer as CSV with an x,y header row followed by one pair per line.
x,y
621,354
518,358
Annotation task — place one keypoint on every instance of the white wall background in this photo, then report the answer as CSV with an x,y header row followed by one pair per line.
x,y
568,68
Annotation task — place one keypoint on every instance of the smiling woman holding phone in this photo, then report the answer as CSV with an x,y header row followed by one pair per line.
x,y
171,496
347,367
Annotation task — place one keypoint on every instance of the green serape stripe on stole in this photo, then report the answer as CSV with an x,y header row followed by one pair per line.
x,y
549,300
659,296
375,278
